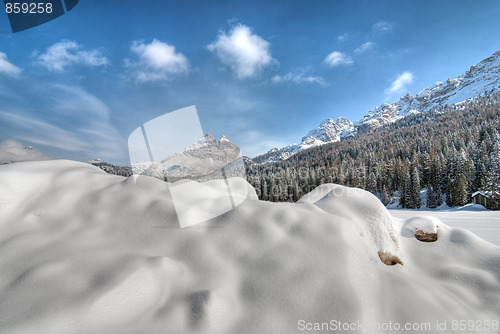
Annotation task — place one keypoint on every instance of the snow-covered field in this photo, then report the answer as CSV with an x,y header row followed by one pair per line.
x,y
475,218
82,251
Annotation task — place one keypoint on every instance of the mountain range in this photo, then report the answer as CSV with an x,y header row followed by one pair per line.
x,y
208,156
481,79
200,160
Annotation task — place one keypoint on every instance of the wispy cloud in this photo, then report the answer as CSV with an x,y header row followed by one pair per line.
x,y
364,47
7,67
244,52
298,77
157,61
67,53
65,118
343,37
12,151
382,26
74,101
400,83
40,132
337,58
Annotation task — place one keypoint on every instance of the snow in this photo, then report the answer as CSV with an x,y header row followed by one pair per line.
x,y
473,217
425,224
82,251
195,203
477,193
12,151
327,132
361,208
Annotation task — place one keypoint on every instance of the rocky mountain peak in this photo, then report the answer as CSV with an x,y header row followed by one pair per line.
x,y
480,79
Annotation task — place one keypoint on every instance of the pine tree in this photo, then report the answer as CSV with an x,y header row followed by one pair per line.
x,y
384,196
407,199
264,190
371,183
450,201
460,197
415,188
439,197
493,169
431,197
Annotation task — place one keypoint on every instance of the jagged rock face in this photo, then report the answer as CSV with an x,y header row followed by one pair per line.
x,y
478,80
347,127
408,97
223,151
204,157
385,114
328,131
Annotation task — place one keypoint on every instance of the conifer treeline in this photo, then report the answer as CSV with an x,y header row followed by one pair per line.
x,y
453,151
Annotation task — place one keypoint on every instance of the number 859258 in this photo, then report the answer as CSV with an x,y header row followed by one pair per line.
x,y
28,8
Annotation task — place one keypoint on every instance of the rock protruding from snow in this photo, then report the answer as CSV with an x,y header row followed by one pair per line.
x,y
423,228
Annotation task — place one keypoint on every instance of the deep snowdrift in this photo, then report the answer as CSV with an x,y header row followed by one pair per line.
x,y
82,251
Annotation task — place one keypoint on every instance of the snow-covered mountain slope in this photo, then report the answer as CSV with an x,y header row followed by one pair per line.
x,y
480,79
202,158
327,132
82,251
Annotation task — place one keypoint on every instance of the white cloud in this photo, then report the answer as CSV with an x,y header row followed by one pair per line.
x,y
399,85
157,61
12,151
382,26
337,58
343,37
244,52
364,47
298,78
7,67
66,53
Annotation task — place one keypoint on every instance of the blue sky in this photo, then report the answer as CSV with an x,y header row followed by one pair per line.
x,y
262,73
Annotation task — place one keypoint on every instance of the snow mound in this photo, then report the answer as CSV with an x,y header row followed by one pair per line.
x,y
198,202
424,228
82,251
359,207
425,224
